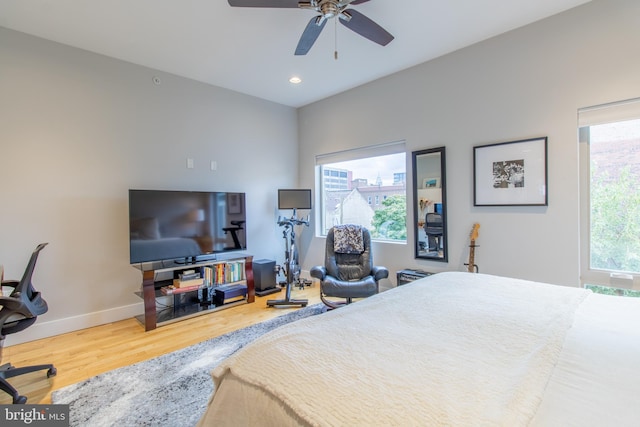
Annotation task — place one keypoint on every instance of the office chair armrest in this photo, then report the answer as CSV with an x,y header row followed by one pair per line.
x,y
11,303
318,272
379,272
9,283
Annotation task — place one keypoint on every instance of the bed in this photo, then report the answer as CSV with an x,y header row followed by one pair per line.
x,y
451,349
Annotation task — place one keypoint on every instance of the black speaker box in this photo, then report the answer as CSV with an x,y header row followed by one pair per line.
x,y
407,276
264,275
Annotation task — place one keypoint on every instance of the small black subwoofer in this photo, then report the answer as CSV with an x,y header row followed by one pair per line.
x,y
264,276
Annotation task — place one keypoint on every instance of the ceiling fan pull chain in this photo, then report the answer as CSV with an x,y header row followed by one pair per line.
x,y
335,29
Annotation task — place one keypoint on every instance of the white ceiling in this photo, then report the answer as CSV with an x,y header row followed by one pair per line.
x,y
250,50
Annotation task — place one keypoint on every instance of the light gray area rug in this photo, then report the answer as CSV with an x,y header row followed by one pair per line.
x,y
171,390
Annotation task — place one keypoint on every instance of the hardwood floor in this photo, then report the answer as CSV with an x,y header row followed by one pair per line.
x,y
82,354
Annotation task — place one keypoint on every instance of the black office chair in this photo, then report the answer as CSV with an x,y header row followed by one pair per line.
x,y
434,229
348,271
19,311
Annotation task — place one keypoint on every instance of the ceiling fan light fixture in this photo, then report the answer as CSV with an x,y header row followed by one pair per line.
x,y
329,9
295,80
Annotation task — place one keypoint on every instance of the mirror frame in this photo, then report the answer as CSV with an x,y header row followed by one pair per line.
x,y
416,215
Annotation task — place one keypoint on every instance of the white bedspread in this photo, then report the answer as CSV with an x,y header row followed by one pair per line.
x,y
453,349
596,382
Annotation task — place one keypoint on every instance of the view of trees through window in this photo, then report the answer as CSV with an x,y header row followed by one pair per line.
x,y
369,191
614,151
615,196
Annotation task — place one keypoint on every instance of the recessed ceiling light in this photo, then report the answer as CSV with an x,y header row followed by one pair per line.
x,y
295,80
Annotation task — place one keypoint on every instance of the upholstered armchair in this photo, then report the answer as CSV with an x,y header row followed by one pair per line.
x,y
348,271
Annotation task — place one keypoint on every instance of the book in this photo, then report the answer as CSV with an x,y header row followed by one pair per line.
x,y
189,275
177,283
208,275
170,290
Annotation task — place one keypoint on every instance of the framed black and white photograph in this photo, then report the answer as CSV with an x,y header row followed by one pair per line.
x,y
511,173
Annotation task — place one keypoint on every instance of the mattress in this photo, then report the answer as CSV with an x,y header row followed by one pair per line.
x,y
449,349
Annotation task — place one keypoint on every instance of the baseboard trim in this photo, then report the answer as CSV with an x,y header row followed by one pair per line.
x,y
46,329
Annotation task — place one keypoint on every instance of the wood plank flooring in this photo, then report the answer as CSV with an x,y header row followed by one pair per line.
x,y
83,354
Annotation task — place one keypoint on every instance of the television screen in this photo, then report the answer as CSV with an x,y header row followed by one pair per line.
x,y
294,199
165,225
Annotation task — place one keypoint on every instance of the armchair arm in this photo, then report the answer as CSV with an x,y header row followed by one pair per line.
x,y
318,272
379,272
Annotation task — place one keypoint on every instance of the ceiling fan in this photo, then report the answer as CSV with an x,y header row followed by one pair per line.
x,y
350,18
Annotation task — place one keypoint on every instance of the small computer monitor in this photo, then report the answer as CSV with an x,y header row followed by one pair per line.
x,y
437,207
294,199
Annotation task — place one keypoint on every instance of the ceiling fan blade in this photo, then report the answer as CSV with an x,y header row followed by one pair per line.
x,y
310,34
359,1
264,3
366,27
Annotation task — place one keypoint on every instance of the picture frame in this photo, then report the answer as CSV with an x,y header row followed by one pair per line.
x,y
511,173
431,182
233,204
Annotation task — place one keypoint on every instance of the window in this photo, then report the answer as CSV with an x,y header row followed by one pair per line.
x,y
610,197
352,183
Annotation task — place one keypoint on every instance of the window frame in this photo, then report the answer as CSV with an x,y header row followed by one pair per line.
x,y
323,160
587,117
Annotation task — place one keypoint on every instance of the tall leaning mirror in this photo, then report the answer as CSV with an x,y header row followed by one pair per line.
x,y
430,204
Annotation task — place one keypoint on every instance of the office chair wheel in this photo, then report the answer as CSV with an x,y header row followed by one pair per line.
x,y
20,400
52,372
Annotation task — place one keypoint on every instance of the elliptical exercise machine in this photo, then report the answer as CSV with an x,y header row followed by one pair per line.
x,y
291,266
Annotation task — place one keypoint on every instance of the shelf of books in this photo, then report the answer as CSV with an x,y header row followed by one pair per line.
x,y
195,289
207,276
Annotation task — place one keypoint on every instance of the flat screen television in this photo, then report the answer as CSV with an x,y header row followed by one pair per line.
x,y
294,199
185,226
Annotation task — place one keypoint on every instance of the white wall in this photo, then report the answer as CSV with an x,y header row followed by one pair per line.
x,y
77,130
526,83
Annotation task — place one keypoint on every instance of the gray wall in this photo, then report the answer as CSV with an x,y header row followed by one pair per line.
x,y
526,83
77,130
